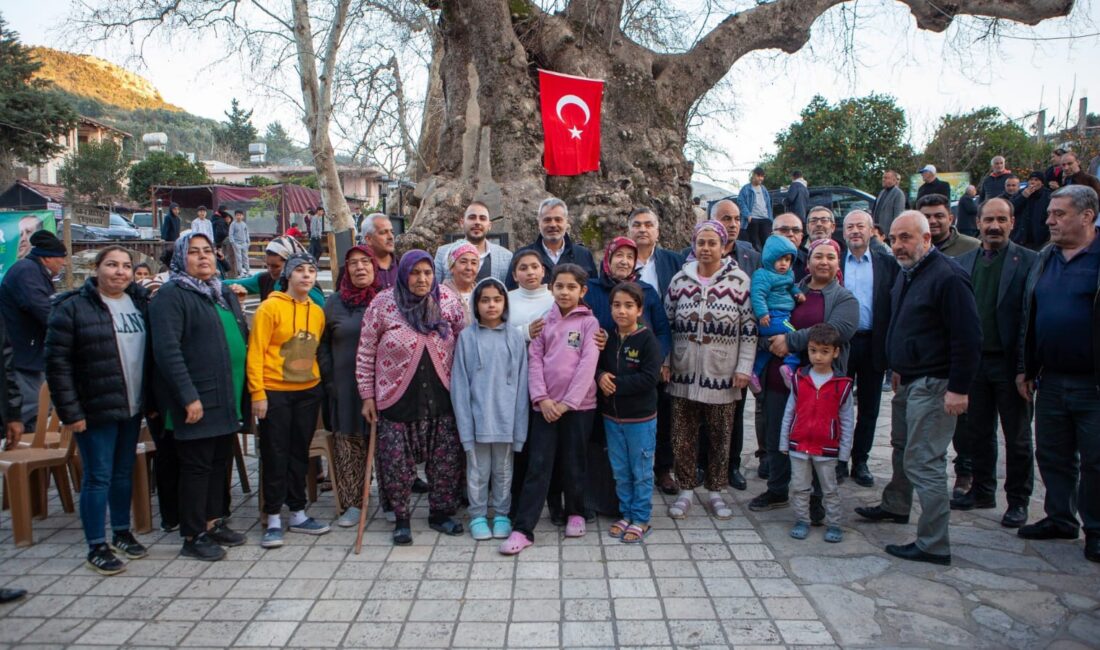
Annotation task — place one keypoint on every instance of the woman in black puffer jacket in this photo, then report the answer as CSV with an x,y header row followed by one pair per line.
x,y
97,355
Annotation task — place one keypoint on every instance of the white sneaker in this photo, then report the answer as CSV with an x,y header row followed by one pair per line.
x,y
349,519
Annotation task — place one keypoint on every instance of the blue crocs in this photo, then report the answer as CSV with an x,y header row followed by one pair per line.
x,y
479,529
310,527
273,538
801,530
502,527
833,534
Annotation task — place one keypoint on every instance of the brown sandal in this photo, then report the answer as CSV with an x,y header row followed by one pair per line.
x,y
635,534
618,528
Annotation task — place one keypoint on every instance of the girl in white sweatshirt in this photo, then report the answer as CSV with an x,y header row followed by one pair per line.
x,y
528,304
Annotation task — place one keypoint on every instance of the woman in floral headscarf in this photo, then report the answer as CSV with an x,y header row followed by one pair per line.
x,y
463,261
344,311
403,370
713,346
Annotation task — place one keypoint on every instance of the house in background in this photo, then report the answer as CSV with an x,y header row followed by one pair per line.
x,y
86,130
364,183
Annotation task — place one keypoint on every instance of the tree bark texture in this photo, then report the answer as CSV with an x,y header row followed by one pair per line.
x,y
482,132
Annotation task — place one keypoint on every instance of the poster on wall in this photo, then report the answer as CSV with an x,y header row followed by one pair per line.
x,y
16,229
957,180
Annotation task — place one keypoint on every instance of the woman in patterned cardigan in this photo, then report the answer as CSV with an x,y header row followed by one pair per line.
x,y
403,369
713,346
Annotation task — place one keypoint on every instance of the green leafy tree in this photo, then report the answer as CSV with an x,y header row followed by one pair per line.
x,y
259,181
280,147
31,117
237,133
850,143
160,168
968,141
95,171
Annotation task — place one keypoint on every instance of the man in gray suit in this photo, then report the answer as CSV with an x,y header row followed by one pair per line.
x,y
890,202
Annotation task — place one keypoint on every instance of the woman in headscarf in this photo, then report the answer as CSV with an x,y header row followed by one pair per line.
x,y
96,368
827,301
463,261
199,345
618,266
277,252
713,346
344,312
403,370
284,381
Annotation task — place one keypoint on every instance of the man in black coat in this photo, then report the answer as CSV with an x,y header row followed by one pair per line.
x,y
966,214
932,184
998,271
554,244
933,346
869,274
25,302
170,227
798,196
1030,207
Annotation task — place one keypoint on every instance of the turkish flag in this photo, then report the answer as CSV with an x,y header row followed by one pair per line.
x,y
570,123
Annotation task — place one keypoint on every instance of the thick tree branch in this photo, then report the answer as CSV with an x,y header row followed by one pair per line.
x,y
785,25
599,16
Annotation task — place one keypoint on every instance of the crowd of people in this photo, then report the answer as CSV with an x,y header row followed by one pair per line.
x,y
520,380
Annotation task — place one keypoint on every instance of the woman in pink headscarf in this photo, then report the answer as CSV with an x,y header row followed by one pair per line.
x,y
463,261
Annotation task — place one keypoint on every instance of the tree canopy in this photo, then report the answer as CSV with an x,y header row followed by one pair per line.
x,y
160,168
849,143
237,132
966,142
95,171
31,117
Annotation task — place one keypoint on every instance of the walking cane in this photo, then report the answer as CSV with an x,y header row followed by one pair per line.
x,y
366,489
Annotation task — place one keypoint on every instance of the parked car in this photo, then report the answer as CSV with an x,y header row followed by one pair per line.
x,y
121,228
80,232
838,198
142,219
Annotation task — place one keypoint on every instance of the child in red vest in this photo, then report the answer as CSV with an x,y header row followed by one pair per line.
x,y
817,431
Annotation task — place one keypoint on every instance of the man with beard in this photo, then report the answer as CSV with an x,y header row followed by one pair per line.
x,y
994,183
941,223
378,234
998,271
821,224
495,260
933,346
1072,174
728,213
553,244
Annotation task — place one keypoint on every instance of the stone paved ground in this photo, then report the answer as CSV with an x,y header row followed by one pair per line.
x,y
695,583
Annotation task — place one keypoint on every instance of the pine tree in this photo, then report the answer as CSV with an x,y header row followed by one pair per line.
x,y
280,148
238,132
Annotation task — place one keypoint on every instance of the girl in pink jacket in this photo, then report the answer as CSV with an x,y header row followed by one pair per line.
x,y
562,382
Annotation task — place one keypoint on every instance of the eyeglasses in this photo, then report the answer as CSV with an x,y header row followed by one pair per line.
x,y
821,220
789,230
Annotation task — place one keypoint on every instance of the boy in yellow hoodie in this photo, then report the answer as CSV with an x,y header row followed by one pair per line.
x,y
284,380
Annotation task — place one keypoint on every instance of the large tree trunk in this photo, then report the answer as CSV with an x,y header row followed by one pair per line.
x,y
482,133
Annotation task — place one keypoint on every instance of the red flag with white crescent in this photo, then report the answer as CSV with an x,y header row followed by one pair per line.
x,y
570,123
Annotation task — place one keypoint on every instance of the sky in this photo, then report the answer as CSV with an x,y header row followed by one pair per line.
x,y
1049,66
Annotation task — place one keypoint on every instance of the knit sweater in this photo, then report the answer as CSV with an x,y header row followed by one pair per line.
x,y
713,333
390,349
526,306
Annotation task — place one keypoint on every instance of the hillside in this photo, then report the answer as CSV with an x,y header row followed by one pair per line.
x,y
87,76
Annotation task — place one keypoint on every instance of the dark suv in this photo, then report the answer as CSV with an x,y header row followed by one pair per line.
x,y
840,199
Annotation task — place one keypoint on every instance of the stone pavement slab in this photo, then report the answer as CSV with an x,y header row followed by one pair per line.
x,y
695,583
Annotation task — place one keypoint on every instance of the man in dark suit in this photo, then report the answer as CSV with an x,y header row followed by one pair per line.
x,y
869,274
798,196
932,184
554,244
998,272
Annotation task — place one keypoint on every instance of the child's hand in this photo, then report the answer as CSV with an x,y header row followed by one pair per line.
x,y
800,298
765,320
549,410
601,339
785,452
607,383
535,328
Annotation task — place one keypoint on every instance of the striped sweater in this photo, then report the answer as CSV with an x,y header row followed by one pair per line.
x,y
713,333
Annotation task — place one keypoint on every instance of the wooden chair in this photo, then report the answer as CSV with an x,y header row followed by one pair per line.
x,y
26,473
323,446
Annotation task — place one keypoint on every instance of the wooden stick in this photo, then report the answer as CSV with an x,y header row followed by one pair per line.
x,y
366,488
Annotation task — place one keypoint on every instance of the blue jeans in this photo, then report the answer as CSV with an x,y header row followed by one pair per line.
x,y
630,446
780,324
107,452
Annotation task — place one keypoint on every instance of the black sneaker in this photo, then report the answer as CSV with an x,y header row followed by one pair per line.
x,y
202,547
225,536
125,543
768,501
103,561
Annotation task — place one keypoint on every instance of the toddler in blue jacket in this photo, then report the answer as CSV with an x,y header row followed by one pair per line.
x,y
774,295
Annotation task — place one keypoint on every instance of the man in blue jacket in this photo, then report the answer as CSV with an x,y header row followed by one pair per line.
x,y
25,303
756,210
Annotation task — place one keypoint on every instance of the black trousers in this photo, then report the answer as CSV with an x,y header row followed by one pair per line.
x,y
757,232
868,381
203,465
166,467
994,394
662,455
315,247
964,461
1067,448
565,441
779,464
285,436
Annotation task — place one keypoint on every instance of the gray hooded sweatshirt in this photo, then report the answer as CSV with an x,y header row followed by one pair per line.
x,y
489,383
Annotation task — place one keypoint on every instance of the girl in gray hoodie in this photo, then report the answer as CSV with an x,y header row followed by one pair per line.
x,y
489,395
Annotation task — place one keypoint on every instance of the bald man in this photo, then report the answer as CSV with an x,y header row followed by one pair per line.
x,y
933,346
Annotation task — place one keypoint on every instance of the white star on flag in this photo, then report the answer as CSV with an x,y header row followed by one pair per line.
x,y
575,133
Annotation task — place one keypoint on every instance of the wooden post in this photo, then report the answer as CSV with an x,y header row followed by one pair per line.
x,y
366,487
67,235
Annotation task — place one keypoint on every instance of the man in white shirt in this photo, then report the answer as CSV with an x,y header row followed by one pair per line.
x,y
476,224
